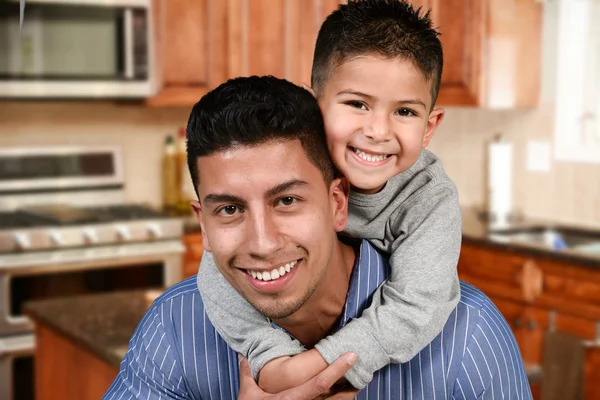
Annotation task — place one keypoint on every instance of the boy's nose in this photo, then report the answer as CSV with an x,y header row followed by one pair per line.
x,y
378,129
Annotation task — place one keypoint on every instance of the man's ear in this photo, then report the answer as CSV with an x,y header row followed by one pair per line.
x,y
197,207
339,190
435,119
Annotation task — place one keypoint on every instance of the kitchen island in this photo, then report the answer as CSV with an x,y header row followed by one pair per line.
x,y
81,341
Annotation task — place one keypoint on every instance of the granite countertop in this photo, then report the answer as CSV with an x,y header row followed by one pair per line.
x,y
477,230
101,323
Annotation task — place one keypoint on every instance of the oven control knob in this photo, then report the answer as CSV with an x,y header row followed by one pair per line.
x,y
90,236
22,241
154,231
123,233
56,238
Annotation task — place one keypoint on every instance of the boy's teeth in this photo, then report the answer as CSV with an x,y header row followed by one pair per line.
x,y
274,274
369,157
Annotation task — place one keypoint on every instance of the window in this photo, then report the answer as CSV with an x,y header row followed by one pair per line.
x,y
577,121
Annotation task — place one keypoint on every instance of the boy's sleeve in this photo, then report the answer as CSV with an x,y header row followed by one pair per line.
x,y
410,309
244,328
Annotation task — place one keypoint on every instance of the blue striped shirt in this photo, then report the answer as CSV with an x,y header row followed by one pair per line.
x,y
176,353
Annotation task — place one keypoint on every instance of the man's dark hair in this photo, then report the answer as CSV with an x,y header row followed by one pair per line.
x,y
389,28
254,110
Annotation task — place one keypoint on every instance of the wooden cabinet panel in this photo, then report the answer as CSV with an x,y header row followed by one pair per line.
x,y
64,370
193,254
494,272
274,37
492,51
190,52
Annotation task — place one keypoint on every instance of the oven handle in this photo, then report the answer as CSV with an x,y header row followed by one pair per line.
x,y
15,346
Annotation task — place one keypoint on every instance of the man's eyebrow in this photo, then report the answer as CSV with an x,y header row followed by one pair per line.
x,y
286,186
217,198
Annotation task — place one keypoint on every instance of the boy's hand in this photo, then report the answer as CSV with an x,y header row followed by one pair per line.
x,y
316,388
288,372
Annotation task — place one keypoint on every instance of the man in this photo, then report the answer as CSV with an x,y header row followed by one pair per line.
x,y
268,201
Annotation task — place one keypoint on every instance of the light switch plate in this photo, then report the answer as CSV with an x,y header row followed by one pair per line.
x,y
538,156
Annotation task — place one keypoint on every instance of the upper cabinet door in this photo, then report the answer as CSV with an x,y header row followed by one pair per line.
x,y
267,37
492,51
190,52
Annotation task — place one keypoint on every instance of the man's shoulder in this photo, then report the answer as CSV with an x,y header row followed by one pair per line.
x,y
184,289
478,317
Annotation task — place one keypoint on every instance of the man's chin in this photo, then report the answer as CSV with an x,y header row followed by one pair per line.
x,y
277,310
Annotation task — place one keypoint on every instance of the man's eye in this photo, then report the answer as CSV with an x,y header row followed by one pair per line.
x,y
228,210
287,201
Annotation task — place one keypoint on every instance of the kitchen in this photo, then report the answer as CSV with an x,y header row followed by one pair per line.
x,y
503,77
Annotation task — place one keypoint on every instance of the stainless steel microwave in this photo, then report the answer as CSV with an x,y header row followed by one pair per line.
x,y
76,49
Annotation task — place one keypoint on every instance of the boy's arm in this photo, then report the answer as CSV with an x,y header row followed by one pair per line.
x,y
245,330
410,309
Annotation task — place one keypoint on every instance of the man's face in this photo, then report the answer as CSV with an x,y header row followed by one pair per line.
x,y
270,221
377,118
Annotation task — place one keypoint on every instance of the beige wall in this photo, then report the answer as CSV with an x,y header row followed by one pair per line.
x,y
569,192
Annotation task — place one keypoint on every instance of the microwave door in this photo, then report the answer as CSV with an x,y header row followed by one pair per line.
x,y
76,49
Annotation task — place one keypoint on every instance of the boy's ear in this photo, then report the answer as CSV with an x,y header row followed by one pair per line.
x,y
305,86
435,119
197,207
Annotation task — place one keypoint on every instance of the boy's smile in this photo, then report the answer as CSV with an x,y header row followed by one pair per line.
x,y
377,118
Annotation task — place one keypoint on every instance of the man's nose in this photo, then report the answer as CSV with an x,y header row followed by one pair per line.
x,y
378,127
264,236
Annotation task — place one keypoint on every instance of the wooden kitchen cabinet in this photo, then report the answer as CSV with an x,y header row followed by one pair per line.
x,y
193,253
537,294
190,49
492,48
492,51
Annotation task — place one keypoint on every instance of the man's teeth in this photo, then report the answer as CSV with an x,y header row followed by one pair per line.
x,y
274,274
369,157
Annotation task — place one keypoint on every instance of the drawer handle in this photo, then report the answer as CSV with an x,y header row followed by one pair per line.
x,y
531,280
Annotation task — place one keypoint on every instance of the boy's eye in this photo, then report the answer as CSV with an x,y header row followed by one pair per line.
x,y
357,104
405,112
228,210
287,201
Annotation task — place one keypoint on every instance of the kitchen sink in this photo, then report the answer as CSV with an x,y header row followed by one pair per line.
x,y
550,237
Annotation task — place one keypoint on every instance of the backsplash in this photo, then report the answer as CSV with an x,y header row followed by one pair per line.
x,y
569,192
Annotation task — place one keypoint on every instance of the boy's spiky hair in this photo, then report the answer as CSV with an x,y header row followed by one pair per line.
x,y
390,28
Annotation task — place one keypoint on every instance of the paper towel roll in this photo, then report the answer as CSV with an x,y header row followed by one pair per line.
x,y
500,181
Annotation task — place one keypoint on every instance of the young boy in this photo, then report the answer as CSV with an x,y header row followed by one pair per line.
x,y
376,74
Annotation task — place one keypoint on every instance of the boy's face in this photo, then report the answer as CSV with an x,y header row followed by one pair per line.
x,y
377,118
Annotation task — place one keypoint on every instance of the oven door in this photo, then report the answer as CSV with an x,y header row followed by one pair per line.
x,y
76,49
45,275
17,368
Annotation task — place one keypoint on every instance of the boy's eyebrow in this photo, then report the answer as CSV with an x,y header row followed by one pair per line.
x,y
413,102
369,97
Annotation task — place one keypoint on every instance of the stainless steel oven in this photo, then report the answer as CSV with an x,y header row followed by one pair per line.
x,y
65,230
76,49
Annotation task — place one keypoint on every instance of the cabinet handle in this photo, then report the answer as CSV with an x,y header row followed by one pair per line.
x,y
531,325
531,280
518,322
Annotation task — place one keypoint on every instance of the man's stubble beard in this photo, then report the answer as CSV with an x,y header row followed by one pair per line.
x,y
284,311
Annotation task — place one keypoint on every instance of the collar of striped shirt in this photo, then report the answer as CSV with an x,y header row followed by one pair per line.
x,y
176,353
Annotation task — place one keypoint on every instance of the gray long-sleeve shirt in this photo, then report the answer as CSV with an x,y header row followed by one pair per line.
x,y
416,219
